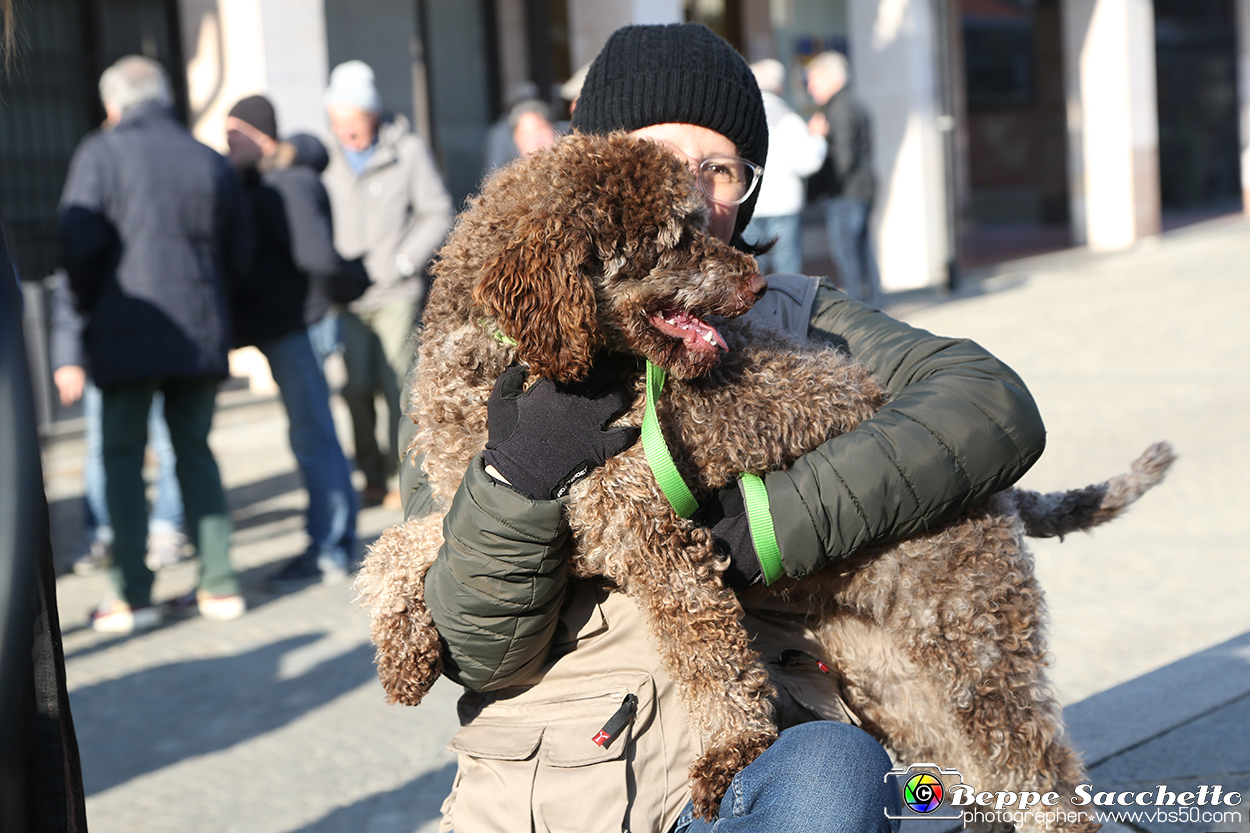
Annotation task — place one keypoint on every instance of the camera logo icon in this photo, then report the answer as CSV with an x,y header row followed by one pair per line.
x,y
922,791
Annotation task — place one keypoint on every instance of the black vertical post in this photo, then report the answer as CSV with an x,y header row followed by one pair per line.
x,y
946,16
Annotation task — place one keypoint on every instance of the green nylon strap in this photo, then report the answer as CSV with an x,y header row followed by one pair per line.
x,y
498,334
759,517
656,450
760,520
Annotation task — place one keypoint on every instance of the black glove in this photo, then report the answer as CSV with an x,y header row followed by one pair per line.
x,y
350,282
724,513
544,439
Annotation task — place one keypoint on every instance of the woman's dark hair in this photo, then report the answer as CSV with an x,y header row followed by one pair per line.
x,y
760,248
7,36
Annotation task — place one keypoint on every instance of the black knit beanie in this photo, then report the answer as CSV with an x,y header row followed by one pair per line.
x,y
258,112
678,72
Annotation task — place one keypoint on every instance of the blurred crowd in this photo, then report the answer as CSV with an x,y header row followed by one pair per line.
x,y
173,255
302,247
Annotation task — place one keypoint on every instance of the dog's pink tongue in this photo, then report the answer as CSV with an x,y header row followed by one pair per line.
x,y
695,332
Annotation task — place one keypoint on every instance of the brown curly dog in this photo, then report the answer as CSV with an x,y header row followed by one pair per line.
x,y
599,243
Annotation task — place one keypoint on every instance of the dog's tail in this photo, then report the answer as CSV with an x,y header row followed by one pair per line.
x,y
1077,510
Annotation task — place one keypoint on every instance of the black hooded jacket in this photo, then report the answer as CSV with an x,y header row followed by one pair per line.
x,y
297,274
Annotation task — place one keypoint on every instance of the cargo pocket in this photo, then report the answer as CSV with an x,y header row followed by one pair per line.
x,y
492,784
562,765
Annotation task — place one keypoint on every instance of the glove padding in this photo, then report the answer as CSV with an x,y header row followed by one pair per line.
x,y
724,513
544,439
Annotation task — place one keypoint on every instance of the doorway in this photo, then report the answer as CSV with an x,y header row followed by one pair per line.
x,y
1016,131
1196,87
49,102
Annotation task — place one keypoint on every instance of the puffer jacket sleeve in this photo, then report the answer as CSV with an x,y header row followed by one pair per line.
x,y
959,426
496,588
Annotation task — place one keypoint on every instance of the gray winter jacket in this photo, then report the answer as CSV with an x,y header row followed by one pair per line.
x,y
959,427
395,213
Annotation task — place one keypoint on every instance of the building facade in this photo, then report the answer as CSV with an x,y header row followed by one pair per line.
x,y
1001,126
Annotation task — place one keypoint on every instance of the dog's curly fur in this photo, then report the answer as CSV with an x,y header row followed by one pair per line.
x,y
600,243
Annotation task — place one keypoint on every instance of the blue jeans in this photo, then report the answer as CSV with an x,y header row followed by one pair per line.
x,y
166,514
846,223
326,337
786,257
331,518
821,777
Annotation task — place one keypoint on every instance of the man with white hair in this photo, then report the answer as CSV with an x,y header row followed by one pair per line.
x,y
846,179
793,155
391,208
154,235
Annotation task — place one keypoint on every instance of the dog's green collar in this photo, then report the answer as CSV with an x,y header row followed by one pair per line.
x,y
496,333
759,517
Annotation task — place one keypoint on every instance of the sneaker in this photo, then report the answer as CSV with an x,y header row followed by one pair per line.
x,y
113,616
217,608
334,569
166,550
297,574
221,608
98,556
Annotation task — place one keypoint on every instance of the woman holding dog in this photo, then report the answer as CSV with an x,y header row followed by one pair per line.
x,y
542,656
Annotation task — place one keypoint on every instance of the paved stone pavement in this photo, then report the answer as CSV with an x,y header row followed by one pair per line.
x,y
275,723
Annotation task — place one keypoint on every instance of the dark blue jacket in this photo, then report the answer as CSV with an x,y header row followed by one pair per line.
x,y
154,236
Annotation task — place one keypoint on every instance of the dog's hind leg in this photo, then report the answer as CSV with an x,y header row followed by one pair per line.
x,y
724,683
944,659
668,567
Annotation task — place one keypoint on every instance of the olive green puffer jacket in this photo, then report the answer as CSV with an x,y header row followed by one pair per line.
x,y
960,426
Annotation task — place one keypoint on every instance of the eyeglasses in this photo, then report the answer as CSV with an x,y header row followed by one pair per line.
x,y
724,179
728,179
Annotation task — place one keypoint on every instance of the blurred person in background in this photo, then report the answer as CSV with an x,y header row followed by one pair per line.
x,y
793,155
532,128
166,540
846,180
284,309
154,237
391,208
500,146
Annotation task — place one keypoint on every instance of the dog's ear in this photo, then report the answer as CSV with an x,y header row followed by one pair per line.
x,y
539,293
